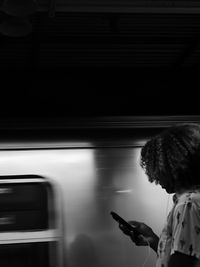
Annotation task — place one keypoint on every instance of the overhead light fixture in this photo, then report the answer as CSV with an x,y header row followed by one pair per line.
x,y
19,8
16,27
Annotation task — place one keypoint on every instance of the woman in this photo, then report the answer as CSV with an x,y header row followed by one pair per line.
x,y
172,159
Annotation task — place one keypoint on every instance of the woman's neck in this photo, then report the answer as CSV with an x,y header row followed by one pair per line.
x,y
189,189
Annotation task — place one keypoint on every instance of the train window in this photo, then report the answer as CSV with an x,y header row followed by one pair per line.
x,y
29,228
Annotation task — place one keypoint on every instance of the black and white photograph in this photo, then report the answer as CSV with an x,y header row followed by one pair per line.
x,y
99,133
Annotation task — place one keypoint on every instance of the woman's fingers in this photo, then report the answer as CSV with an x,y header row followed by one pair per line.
x,y
139,240
124,229
135,223
127,232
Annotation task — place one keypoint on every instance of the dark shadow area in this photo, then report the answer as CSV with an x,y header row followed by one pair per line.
x,y
98,92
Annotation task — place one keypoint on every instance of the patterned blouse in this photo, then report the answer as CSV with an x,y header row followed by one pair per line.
x,y
182,230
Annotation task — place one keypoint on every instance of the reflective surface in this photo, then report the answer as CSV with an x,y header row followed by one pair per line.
x,y
92,182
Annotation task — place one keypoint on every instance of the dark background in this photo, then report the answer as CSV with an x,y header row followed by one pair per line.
x,y
116,62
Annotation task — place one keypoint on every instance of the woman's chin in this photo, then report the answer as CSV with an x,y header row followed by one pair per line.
x,y
169,190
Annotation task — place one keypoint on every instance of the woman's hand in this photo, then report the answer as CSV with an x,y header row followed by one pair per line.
x,y
143,236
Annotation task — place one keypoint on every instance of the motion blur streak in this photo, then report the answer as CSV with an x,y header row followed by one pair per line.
x,y
94,181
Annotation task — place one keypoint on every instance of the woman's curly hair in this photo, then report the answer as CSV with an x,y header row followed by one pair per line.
x,y
173,157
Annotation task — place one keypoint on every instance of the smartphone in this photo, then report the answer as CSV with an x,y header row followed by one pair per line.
x,y
120,220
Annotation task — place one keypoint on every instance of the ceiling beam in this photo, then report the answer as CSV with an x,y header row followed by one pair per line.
x,y
125,8
102,122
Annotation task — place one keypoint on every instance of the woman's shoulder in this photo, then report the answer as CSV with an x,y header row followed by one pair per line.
x,y
190,196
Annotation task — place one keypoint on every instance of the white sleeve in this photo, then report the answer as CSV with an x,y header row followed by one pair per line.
x,y
186,229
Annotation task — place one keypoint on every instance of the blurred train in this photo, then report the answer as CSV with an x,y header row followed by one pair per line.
x,y
55,203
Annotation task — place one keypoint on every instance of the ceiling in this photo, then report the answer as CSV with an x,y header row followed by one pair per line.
x,y
103,58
